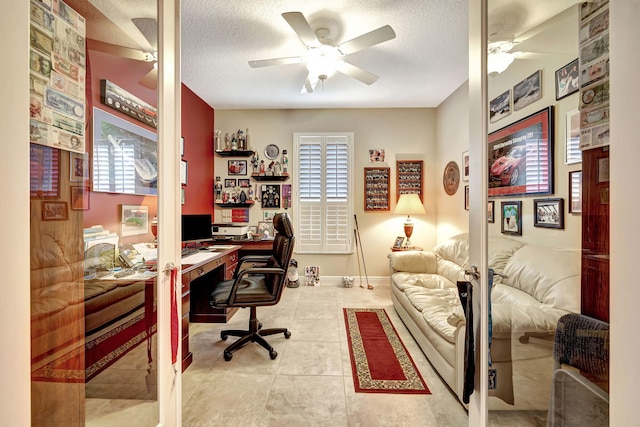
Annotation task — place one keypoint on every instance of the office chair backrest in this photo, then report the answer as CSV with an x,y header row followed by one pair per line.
x,y
582,342
282,249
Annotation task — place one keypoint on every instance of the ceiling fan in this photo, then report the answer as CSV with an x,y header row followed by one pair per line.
x,y
324,56
149,29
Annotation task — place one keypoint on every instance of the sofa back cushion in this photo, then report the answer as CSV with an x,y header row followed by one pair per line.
x,y
550,275
455,249
413,262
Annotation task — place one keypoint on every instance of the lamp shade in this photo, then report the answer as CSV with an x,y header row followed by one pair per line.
x,y
409,204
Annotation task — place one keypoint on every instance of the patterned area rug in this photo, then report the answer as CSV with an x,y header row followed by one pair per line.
x,y
379,360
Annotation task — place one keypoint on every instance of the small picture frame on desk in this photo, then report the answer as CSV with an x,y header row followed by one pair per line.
x,y
399,242
265,229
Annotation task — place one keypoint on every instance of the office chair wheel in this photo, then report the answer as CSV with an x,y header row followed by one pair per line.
x,y
228,355
273,354
223,336
287,334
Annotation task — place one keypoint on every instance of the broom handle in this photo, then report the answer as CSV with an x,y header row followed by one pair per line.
x,y
364,265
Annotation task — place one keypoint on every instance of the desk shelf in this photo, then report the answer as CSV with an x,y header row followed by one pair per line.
x,y
247,204
234,153
258,177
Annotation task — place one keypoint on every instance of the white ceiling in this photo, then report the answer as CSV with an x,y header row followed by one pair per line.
x,y
421,67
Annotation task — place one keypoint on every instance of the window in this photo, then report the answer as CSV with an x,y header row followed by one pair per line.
x,y
323,165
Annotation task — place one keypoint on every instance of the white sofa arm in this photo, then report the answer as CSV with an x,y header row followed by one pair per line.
x,y
413,262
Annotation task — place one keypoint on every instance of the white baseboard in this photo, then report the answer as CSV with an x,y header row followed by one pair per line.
x,y
337,281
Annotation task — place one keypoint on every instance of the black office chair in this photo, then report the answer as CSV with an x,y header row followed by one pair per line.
x,y
258,281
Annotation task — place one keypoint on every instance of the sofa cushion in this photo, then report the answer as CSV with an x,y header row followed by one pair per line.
x,y
550,275
514,320
500,250
455,249
437,307
413,261
452,271
404,280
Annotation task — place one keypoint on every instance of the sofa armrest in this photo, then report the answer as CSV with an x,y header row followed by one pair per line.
x,y
413,262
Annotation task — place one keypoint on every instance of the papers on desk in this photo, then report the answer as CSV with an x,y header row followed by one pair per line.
x,y
197,258
143,249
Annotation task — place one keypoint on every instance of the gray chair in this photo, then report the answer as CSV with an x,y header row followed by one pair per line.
x,y
581,342
258,281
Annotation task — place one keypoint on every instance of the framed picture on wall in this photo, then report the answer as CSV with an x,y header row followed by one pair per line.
x,y
466,197
511,218
184,172
548,213
237,167
490,211
527,91
567,80
575,192
465,166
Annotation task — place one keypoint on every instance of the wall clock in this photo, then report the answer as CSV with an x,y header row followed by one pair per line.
x,y
271,151
451,178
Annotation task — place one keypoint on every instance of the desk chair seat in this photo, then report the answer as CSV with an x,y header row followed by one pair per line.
x,y
257,281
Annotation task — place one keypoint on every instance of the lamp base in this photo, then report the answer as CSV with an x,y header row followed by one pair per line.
x,y
408,231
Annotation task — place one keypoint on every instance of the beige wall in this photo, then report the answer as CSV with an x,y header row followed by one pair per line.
x,y
403,133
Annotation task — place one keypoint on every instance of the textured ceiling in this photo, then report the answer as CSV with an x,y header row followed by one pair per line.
x,y
421,67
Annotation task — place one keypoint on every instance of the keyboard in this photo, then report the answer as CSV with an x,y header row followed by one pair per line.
x,y
189,251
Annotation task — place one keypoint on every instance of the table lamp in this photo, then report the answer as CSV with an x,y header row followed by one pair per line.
x,y
409,204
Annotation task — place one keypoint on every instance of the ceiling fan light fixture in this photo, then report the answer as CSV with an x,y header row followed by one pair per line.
x,y
322,62
497,62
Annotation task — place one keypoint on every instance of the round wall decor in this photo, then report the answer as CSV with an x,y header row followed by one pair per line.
x,y
451,178
271,151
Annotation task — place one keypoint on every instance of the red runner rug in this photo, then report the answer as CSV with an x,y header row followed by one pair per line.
x,y
380,363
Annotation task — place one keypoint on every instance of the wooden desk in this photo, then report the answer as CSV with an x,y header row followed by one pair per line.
x,y
200,273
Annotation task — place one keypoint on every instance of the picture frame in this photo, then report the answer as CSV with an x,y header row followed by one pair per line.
x,y
409,178
567,80
270,196
244,183
80,197
44,173
527,91
237,167
466,197
134,220
511,218
399,242
78,166
377,183
54,210
465,165
184,172
182,196
265,226
114,141
575,192
376,155
500,106
548,213
491,208
230,183
521,156
572,152
252,230
120,100
182,146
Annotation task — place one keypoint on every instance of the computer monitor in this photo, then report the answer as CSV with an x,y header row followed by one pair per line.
x,y
196,228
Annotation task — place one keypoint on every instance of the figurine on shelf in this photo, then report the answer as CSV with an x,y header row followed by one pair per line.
x,y
285,162
218,188
254,162
217,141
225,197
227,141
250,192
261,167
243,197
277,169
270,168
234,142
247,142
241,145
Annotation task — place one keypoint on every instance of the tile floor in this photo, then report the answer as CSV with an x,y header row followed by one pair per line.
x,y
308,384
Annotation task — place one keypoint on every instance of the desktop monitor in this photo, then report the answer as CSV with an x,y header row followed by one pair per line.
x,y
196,228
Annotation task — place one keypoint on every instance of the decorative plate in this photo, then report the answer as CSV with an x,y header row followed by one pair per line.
x,y
271,151
451,178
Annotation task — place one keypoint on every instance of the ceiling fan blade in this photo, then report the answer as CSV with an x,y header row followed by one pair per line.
x,y
150,80
371,38
310,84
121,51
276,61
357,73
149,29
301,26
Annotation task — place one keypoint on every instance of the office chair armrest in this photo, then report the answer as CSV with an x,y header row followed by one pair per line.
x,y
251,259
238,281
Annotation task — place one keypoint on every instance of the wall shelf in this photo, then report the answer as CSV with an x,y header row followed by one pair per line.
x,y
234,153
247,204
282,177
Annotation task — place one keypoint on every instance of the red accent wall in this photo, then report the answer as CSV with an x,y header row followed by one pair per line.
x,y
197,129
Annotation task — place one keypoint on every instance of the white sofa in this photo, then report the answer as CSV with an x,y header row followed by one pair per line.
x,y
541,285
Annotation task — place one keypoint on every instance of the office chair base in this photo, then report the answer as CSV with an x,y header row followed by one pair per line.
x,y
254,334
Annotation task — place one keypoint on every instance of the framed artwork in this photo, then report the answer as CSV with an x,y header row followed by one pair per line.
x,y
125,156
465,166
265,229
399,242
500,106
409,178
182,196
184,172
376,155
572,152
567,80
119,99
237,167
244,183
491,205
78,166
521,156
229,183
376,189
44,173
270,196
548,213
511,218
134,220
80,197
527,91
451,178
182,146
575,192
466,197
54,211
